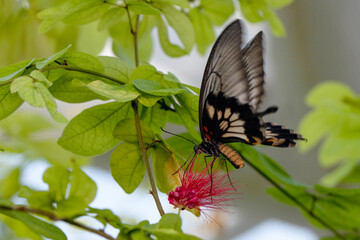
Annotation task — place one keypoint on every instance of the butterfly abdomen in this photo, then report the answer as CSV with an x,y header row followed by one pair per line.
x,y
234,158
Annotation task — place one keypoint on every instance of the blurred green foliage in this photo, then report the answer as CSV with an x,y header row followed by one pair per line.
x,y
335,118
42,31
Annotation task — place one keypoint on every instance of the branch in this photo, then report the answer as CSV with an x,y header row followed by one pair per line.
x,y
154,192
295,200
142,146
53,217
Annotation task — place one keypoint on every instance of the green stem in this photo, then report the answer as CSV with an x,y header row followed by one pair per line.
x,y
53,217
153,192
294,199
142,146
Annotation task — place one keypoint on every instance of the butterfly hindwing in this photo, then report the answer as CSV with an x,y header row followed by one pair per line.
x,y
280,136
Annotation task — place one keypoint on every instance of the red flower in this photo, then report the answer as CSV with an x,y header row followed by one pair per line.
x,y
197,191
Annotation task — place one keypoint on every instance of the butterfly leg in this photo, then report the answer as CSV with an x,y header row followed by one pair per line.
x,y
227,173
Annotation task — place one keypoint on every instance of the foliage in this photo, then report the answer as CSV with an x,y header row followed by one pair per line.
x,y
336,116
138,100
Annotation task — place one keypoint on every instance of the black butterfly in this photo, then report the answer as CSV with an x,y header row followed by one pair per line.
x,y
231,91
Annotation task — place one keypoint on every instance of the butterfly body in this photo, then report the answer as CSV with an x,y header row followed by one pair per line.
x,y
231,91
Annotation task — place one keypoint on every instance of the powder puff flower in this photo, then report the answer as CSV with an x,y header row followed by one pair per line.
x,y
199,191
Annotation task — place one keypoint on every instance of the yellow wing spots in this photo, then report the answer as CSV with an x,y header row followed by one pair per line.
x,y
237,130
224,125
219,113
227,113
234,117
211,110
257,141
235,159
237,135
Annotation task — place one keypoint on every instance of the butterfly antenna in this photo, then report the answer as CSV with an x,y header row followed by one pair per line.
x,y
192,156
177,135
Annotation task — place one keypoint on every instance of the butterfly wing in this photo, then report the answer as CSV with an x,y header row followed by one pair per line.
x,y
280,136
232,88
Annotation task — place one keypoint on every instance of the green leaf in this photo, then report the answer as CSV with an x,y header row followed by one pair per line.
x,y
120,93
111,17
82,12
164,165
67,88
180,3
47,61
147,79
10,184
314,126
169,227
91,132
24,86
155,117
148,100
39,76
82,60
82,186
217,11
116,68
127,166
259,10
182,26
328,94
90,40
8,102
5,203
267,165
302,196
336,148
106,216
57,178
170,221
71,208
123,44
50,103
37,199
154,88
11,71
142,8
205,34
126,130
35,224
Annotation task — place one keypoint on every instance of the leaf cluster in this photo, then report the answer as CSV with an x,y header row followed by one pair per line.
x,y
335,117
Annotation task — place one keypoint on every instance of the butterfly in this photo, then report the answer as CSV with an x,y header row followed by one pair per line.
x,y
230,94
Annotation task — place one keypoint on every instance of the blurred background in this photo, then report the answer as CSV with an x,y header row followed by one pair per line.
x,y
321,44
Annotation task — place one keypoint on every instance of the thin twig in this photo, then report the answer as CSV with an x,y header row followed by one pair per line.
x,y
154,192
53,217
294,199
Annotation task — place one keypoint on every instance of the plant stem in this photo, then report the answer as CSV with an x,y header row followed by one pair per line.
x,y
134,105
294,199
153,191
53,217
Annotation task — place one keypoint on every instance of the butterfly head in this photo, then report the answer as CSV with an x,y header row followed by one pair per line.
x,y
207,147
